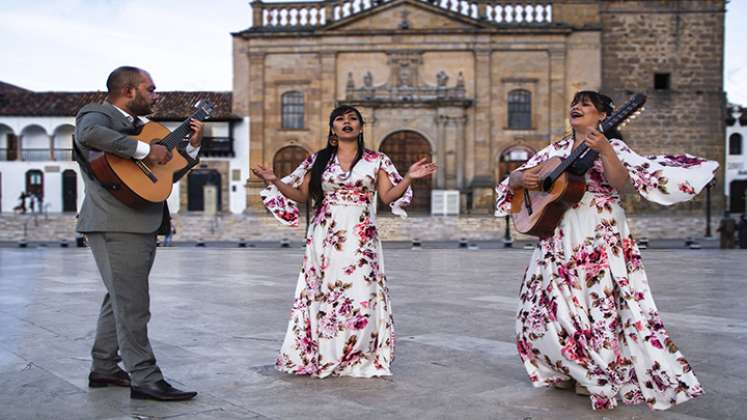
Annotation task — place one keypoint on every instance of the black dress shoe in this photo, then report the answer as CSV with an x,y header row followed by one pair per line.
x,y
160,391
99,380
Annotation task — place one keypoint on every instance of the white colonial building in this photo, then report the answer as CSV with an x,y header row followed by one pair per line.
x,y
735,184
36,134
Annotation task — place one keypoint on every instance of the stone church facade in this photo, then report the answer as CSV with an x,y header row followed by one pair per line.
x,y
477,86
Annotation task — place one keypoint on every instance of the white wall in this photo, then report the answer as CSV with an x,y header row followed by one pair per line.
x,y
36,131
14,182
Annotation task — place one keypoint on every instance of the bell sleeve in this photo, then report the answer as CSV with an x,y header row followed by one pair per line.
x,y
284,209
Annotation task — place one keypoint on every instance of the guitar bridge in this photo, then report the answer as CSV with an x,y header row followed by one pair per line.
x,y
146,170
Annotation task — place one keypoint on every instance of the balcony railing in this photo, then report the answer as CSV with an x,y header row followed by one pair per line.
x,y
217,147
35,154
301,15
4,155
63,154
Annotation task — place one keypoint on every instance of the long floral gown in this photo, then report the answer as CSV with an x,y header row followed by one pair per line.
x,y
341,320
586,310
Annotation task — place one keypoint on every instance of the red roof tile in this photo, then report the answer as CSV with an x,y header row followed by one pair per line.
x,y
8,88
173,106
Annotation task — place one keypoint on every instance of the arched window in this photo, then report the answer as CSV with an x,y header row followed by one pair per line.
x,y
35,144
520,109
292,109
62,141
735,144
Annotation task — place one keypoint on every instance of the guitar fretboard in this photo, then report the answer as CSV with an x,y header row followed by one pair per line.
x,y
183,131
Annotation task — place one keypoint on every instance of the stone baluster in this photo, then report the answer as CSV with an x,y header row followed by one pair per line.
x,y
324,14
482,10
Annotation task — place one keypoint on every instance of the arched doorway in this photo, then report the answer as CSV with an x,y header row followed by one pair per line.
x,y
35,182
511,158
287,159
196,182
405,148
737,196
69,191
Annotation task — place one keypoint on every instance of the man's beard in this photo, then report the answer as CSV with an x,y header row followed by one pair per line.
x,y
140,106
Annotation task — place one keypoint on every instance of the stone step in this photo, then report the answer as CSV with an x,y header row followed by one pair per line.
x,y
232,227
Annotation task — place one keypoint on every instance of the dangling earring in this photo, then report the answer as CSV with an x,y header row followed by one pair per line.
x,y
333,140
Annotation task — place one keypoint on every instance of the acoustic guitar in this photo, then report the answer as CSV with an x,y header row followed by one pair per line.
x,y
137,183
539,212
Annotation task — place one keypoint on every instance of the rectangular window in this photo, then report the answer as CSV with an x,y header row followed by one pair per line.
x,y
293,110
662,81
520,109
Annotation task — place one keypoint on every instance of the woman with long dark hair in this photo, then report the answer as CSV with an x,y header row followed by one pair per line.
x,y
587,318
341,320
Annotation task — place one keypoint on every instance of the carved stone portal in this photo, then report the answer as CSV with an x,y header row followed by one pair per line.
x,y
404,84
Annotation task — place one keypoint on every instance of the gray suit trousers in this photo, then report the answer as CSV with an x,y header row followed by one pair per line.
x,y
124,261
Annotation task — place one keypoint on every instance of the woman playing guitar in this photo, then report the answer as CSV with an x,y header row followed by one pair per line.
x,y
587,317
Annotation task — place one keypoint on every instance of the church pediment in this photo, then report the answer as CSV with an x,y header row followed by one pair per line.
x,y
404,15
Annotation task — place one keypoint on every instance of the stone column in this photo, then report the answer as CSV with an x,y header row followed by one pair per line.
x,y
482,148
441,121
459,125
256,130
328,94
483,114
51,146
19,147
558,105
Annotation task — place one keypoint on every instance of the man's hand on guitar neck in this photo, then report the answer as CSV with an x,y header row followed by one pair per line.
x,y
197,128
159,154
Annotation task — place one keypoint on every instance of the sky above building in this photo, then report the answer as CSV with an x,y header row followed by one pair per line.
x,y
72,45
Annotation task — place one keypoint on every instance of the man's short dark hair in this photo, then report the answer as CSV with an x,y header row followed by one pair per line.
x,y
122,78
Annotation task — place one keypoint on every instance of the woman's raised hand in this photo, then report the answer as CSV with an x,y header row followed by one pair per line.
x,y
265,172
421,169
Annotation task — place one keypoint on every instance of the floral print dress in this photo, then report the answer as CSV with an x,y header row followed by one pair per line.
x,y
586,310
341,320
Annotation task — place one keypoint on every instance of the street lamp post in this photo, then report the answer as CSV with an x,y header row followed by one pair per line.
x,y
508,241
708,208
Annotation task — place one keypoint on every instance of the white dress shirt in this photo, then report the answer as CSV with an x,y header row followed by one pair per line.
x,y
143,148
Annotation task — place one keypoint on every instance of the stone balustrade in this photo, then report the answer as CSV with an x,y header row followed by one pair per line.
x,y
309,14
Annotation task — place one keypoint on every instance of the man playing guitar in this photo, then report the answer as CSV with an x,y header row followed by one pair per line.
x,y
122,238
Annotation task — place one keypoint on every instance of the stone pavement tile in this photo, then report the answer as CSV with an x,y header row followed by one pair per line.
x,y
40,345
10,362
33,393
298,398
724,389
523,401
486,347
202,406
219,317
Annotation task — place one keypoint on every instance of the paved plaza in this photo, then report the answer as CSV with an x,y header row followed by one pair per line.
x,y
219,315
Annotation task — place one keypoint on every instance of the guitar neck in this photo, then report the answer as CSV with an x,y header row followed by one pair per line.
x,y
576,155
183,131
